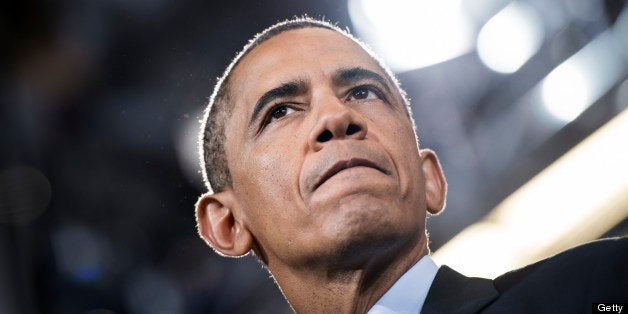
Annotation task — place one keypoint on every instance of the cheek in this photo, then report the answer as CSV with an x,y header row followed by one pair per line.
x,y
408,159
271,173
274,172
269,199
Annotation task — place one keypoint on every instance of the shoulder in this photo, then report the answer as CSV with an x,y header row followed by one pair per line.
x,y
592,272
567,282
596,257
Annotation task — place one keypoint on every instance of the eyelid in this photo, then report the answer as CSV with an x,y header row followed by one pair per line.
x,y
265,121
371,87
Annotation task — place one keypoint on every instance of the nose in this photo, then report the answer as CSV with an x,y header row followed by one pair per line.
x,y
336,121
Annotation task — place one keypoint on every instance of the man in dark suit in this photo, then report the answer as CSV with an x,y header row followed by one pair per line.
x,y
569,282
312,162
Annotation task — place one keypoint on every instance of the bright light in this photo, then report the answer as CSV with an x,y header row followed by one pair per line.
x,y
576,199
410,34
583,78
569,193
566,92
510,38
186,144
480,250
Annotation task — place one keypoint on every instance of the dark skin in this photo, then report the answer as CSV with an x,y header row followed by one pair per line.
x,y
329,186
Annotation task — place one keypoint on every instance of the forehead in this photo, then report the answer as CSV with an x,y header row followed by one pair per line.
x,y
306,54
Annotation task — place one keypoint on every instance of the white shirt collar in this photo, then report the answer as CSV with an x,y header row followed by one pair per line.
x,y
409,292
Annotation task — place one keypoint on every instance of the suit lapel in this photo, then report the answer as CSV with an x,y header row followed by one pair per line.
x,y
452,292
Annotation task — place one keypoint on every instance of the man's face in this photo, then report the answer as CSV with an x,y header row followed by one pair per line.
x,y
321,151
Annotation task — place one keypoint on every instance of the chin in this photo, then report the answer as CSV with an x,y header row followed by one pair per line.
x,y
366,228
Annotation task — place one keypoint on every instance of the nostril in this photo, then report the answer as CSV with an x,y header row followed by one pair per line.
x,y
325,136
353,128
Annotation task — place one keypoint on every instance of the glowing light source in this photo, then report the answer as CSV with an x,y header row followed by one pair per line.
x,y
566,91
583,78
576,199
82,254
410,34
186,143
510,38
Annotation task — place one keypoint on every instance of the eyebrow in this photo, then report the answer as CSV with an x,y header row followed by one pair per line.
x,y
344,76
348,76
286,89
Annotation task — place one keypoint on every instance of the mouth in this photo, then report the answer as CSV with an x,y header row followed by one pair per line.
x,y
346,164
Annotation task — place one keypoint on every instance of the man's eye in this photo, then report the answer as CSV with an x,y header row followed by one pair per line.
x,y
279,112
362,93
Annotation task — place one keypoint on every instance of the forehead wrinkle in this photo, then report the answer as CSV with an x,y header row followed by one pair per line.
x,y
241,81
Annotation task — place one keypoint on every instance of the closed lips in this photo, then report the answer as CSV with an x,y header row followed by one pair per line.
x,y
346,164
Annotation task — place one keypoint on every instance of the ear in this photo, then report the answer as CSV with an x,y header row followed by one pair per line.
x,y
435,184
218,225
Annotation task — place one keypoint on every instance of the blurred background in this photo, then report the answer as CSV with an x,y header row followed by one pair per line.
x,y
100,103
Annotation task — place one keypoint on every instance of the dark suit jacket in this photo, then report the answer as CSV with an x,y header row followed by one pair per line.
x,y
568,282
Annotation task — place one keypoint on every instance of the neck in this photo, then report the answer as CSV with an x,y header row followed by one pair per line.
x,y
329,289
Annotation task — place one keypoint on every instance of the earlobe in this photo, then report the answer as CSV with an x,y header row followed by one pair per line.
x,y
435,184
219,227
